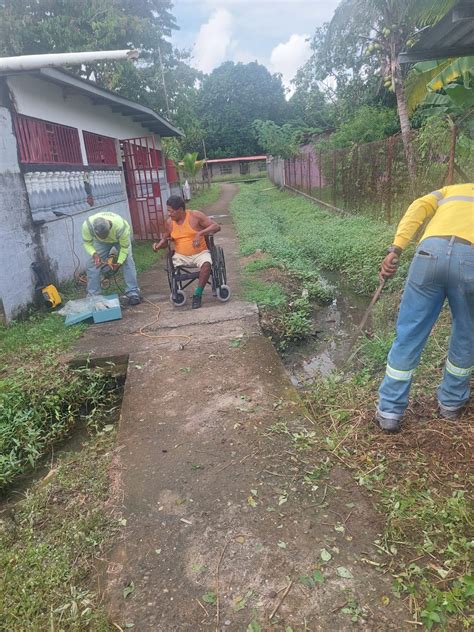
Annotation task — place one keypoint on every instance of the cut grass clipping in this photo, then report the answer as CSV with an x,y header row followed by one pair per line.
x,y
421,478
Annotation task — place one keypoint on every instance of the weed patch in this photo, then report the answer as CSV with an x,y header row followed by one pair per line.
x,y
50,544
39,405
304,238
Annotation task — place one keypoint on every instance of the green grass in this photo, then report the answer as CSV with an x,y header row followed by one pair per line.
x,y
422,480
40,333
305,238
40,398
265,294
50,545
144,256
204,197
299,239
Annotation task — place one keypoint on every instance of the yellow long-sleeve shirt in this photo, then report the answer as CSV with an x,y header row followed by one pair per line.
x,y
449,211
119,233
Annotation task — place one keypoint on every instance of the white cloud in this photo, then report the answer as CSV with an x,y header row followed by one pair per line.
x,y
213,41
287,57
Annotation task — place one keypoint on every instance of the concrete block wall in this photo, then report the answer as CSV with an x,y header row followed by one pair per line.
x,y
19,245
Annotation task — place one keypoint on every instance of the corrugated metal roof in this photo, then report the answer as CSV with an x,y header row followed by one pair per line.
x,y
453,36
241,158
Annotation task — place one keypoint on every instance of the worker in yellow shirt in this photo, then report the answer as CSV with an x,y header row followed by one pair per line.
x,y
100,233
442,268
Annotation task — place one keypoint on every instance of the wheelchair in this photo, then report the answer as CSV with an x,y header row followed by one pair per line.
x,y
179,277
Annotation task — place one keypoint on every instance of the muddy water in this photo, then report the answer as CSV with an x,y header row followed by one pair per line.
x,y
333,329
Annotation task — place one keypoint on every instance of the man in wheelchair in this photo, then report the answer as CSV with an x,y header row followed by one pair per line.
x,y
188,230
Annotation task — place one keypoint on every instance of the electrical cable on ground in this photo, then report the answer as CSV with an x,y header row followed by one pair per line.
x,y
141,332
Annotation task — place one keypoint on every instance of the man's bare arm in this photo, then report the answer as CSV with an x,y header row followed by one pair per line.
x,y
206,225
164,238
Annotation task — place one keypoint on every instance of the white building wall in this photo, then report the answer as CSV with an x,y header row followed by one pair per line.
x,y
57,241
50,102
18,245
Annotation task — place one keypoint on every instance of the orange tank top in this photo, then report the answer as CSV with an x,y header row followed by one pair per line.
x,y
183,236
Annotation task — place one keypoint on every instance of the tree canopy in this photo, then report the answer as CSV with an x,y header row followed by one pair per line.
x,y
56,26
230,99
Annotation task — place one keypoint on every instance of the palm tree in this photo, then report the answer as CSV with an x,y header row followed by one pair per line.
x,y
191,165
386,28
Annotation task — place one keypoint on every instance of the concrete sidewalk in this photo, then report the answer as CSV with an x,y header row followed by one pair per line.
x,y
220,524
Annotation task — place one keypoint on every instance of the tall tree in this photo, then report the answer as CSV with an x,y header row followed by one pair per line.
x,y
55,26
384,27
230,99
336,80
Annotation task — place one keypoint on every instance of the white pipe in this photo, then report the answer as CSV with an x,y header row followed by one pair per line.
x,y
34,62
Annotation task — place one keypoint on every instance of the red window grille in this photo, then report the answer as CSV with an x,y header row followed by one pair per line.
x,y
146,158
46,143
100,150
171,173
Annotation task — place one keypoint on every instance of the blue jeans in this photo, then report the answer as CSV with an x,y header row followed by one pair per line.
x,y
441,269
128,269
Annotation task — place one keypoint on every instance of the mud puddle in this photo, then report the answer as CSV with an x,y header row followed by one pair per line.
x,y
333,328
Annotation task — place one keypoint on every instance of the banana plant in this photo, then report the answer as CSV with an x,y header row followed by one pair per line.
x,y
428,77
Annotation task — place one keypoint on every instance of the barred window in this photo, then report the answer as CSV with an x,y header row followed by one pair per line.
x,y
43,142
225,168
100,150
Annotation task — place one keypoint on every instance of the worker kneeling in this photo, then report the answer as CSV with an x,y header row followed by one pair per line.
x,y
187,229
100,233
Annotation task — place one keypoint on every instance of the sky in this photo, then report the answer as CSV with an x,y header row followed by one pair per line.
x,y
273,32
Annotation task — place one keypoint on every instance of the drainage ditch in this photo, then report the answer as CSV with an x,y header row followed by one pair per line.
x,y
333,327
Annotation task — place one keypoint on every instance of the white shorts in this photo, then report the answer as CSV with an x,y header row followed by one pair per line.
x,y
192,261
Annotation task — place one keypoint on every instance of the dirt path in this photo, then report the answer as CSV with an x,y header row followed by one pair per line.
x,y
228,517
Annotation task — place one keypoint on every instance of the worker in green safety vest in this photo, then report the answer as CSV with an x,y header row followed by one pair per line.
x,y
100,233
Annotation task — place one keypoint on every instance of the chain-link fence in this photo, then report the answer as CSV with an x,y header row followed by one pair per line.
x,y
371,178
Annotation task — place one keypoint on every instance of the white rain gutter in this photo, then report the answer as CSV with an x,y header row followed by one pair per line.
x,y
34,62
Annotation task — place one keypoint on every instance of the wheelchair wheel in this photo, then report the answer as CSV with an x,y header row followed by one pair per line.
x,y
218,267
223,293
223,270
169,271
178,298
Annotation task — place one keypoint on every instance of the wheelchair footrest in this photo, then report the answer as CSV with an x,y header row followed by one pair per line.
x,y
186,276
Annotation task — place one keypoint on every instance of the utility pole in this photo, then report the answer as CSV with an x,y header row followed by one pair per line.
x,y
164,83
208,178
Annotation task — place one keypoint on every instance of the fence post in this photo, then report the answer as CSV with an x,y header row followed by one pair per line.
x,y
309,173
320,169
354,180
334,183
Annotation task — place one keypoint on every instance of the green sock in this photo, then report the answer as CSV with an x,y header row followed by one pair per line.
x,y
198,291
